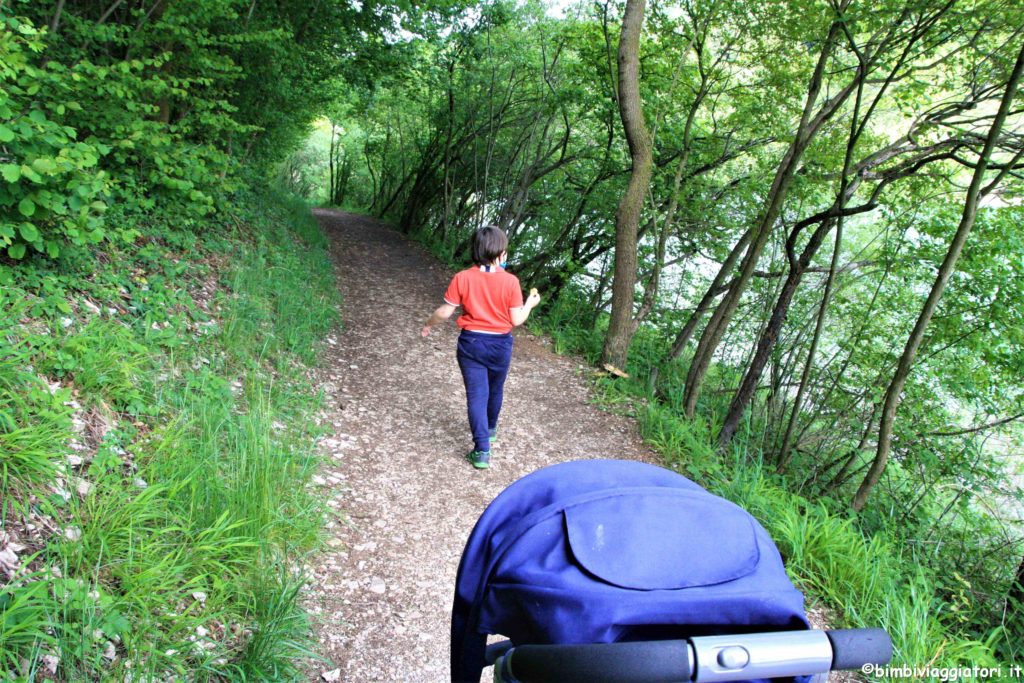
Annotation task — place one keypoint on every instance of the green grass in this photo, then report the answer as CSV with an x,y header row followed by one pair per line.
x,y
181,559
866,581
34,426
104,361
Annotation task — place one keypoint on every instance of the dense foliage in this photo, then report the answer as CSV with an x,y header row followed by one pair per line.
x,y
811,168
160,107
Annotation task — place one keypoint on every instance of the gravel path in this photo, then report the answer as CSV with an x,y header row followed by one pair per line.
x,y
406,499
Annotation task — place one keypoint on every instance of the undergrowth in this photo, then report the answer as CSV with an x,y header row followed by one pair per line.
x,y
156,435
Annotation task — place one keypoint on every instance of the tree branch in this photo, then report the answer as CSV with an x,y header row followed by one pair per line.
x,y
977,428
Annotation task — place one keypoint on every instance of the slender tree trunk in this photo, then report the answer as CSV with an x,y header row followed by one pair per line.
x,y
770,335
55,22
714,289
446,193
106,15
627,217
797,269
330,166
373,178
805,375
346,171
855,130
899,380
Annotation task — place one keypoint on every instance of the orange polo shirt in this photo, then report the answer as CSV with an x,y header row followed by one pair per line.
x,y
486,293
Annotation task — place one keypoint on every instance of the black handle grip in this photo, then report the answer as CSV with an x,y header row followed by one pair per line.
x,y
661,661
853,648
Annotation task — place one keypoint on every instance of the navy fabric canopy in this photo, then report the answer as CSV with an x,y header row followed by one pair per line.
x,y
601,551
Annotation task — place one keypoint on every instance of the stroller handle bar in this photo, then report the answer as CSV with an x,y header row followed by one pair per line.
x,y
702,659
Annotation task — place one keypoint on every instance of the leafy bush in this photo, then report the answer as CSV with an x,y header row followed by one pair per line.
x,y
52,190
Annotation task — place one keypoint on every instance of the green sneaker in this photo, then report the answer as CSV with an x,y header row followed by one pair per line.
x,y
480,459
492,435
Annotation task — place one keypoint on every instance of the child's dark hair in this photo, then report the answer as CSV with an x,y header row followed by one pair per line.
x,y
488,244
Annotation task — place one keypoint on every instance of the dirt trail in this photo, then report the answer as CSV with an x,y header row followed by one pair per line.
x,y
394,470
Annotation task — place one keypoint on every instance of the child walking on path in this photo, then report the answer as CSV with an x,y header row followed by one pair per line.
x,y
492,304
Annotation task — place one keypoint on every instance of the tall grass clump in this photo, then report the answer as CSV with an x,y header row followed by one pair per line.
x,y
34,426
176,540
287,290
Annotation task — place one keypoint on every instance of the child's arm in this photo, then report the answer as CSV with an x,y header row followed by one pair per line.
x,y
519,315
443,312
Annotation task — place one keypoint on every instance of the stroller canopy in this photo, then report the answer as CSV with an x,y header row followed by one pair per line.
x,y
601,551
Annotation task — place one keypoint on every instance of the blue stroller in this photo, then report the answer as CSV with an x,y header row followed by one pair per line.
x,y
606,571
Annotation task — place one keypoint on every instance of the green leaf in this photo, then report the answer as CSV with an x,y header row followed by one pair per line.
x,y
115,624
37,116
52,249
11,172
63,307
6,134
27,207
29,233
44,165
16,251
29,172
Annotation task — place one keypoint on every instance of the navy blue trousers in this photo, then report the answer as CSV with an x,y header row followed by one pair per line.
x,y
484,360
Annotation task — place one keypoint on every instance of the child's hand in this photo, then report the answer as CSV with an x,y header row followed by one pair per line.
x,y
425,331
533,299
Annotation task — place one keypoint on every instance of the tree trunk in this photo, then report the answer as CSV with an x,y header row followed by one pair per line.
x,y
805,376
55,22
899,380
770,335
627,217
330,166
796,272
713,290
